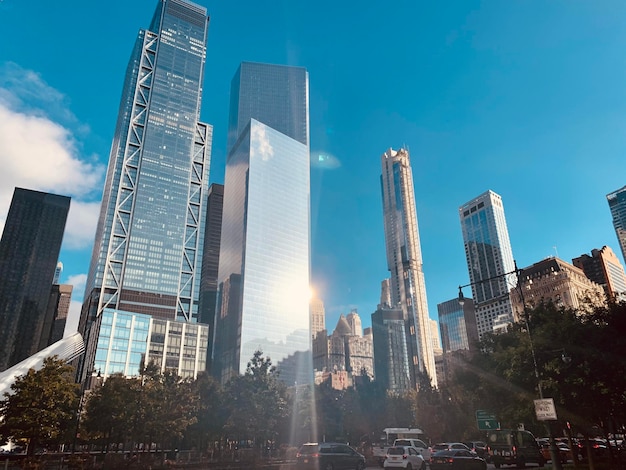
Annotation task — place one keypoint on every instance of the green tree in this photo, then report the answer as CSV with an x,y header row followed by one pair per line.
x,y
42,405
257,402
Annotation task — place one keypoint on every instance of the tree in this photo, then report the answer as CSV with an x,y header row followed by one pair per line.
x,y
42,406
257,402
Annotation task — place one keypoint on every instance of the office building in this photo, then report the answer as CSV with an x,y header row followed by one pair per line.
x,y
391,353
603,267
263,299
489,258
149,239
344,350
617,205
29,251
211,254
457,324
557,281
57,311
318,316
354,320
404,260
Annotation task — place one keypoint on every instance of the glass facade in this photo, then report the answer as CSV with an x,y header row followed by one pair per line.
x,y
457,324
149,240
617,204
404,259
263,299
127,341
391,355
488,254
29,251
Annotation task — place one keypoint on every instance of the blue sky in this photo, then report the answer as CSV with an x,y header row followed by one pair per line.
x,y
526,98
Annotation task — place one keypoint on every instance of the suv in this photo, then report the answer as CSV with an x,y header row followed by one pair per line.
x,y
513,447
328,456
419,445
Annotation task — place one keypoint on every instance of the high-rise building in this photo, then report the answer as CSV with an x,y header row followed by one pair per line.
x,y
617,204
354,320
458,325
489,259
603,267
318,316
147,254
404,261
58,310
391,353
211,254
557,281
29,251
263,299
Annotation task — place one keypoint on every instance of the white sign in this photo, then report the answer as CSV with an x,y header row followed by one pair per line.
x,y
545,410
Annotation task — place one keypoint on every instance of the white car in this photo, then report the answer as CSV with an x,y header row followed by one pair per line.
x,y
404,457
422,448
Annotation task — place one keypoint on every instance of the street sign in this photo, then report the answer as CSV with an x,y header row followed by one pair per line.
x,y
486,421
545,410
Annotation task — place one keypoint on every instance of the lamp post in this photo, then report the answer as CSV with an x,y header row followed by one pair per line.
x,y
554,454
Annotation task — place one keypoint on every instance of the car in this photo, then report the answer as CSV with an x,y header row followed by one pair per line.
x,y
406,457
564,452
479,447
450,446
422,448
457,459
328,456
513,447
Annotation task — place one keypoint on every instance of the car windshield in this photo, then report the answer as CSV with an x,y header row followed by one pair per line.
x,y
396,451
309,449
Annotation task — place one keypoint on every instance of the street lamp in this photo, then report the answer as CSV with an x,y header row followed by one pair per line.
x,y
554,455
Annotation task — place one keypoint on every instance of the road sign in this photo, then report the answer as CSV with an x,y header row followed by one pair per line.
x,y
545,410
486,421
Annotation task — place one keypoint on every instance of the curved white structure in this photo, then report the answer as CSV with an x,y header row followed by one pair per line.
x,y
67,349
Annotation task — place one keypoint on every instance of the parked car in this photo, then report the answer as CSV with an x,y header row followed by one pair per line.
x,y
457,459
450,446
405,457
479,447
328,456
422,448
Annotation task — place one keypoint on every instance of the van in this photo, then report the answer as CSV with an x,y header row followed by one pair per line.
x,y
513,447
418,444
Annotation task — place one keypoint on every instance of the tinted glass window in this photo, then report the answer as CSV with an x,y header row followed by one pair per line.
x,y
396,451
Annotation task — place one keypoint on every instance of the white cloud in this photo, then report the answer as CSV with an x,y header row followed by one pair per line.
x,y
39,150
78,281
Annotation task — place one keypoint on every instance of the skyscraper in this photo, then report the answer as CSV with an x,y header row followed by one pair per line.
x,y
29,251
404,260
391,353
263,299
488,254
318,316
149,239
617,204
458,325
604,268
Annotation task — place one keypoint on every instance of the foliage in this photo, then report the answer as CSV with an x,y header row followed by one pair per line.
x,y
257,402
42,405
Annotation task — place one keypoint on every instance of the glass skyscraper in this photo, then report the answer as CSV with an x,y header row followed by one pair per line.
x,y
488,254
404,260
263,299
148,248
617,204
29,251
458,325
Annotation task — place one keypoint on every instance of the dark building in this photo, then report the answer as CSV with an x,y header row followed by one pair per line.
x,y
29,251
457,324
391,359
211,255
57,312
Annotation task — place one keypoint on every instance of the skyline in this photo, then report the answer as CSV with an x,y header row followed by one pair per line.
x,y
526,101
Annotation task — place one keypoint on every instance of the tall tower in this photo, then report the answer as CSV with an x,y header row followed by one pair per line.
x,y
318,316
404,260
29,251
147,254
263,299
488,254
458,325
617,204
604,268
